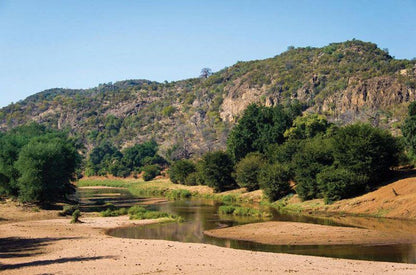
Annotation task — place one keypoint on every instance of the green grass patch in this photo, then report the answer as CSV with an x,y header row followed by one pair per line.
x,y
242,211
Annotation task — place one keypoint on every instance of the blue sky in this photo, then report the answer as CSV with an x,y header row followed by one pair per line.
x,y
79,44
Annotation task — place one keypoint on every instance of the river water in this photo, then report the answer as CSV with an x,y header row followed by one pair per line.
x,y
201,215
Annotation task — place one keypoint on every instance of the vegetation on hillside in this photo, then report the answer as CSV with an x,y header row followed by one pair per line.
x,y
189,117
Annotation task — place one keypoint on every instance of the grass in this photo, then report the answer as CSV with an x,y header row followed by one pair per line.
x,y
138,212
160,188
242,211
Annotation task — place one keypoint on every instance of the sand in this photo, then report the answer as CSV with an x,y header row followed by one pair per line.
x,y
295,233
55,246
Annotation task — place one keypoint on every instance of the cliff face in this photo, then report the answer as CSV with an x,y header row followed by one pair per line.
x,y
346,81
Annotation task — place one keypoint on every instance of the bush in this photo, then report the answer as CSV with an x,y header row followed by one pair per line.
x,y
68,210
240,211
366,150
313,157
47,166
178,194
226,209
193,179
259,127
113,212
150,172
247,170
338,184
180,170
217,168
274,180
75,216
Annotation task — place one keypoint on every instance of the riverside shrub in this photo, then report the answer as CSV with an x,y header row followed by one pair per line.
x,y
247,171
180,170
274,180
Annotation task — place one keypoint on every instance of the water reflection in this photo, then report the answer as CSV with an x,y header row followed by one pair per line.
x,y
201,215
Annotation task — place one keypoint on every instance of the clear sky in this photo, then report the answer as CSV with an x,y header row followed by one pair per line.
x,y
79,44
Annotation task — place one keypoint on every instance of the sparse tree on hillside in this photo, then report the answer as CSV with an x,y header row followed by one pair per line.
x,y
205,72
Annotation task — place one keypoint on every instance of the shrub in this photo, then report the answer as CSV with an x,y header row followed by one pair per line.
x,y
180,170
178,194
340,184
366,150
150,172
68,210
313,157
75,216
247,170
216,171
274,180
226,209
193,179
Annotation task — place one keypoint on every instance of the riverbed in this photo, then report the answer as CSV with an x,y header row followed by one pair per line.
x,y
202,215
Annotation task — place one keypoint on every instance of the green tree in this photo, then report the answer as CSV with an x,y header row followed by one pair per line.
x,y
150,172
180,170
307,126
247,171
337,184
101,158
259,127
135,157
409,130
47,166
274,181
216,169
314,156
366,150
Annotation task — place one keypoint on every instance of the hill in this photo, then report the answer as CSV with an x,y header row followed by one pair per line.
x,y
346,81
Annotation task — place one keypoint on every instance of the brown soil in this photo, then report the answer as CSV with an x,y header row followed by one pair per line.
x,y
396,200
58,247
295,233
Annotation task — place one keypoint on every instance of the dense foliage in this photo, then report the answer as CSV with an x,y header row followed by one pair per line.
x,y
180,171
274,180
37,164
409,130
107,159
247,171
216,170
260,126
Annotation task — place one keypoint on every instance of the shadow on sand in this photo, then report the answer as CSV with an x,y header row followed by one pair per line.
x,y
12,247
49,262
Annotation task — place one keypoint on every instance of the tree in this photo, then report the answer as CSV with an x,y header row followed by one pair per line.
x,y
366,150
150,172
409,130
274,180
259,127
314,156
135,156
206,72
247,171
339,183
101,158
307,126
216,170
180,170
47,166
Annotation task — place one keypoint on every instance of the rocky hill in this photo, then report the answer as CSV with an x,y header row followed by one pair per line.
x,y
347,81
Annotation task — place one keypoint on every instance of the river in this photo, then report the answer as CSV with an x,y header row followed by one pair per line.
x,y
201,215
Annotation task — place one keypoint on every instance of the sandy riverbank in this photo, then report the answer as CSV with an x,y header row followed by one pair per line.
x,y
57,247
295,233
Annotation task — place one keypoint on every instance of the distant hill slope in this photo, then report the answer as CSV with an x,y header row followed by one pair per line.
x,y
347,81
